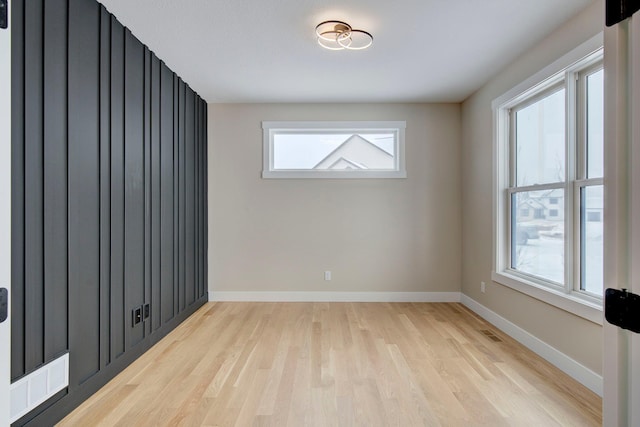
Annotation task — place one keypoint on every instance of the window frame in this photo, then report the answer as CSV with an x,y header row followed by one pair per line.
x,y
565,72
272,128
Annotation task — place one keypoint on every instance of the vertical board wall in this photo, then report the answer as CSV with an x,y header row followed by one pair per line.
x,y
108,196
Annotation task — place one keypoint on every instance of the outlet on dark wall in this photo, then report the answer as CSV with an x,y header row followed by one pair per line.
x,y
137,315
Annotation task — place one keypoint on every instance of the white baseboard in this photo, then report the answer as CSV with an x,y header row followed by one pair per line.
x,y
335,296
574,369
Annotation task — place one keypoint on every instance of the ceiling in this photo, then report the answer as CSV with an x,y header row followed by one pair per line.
x,y
232,51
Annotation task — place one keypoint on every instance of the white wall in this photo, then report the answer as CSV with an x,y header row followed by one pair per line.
x,y
375,235
396,235
577,338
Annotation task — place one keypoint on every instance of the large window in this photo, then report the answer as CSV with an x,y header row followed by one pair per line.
x,y
549,189
333,149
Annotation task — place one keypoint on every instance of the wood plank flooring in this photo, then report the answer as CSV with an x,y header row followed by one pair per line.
x,y
339,364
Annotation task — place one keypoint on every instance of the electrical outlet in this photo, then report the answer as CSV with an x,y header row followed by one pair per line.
x,y
327,275
137,315
482,287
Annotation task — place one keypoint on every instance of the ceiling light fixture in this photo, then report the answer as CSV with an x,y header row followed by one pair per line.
x,y
338,35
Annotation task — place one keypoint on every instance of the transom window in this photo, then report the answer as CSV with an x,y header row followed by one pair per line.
x,y
333,150
549,194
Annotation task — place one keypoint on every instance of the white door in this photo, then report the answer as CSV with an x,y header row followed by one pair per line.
x,y
5,215
621,369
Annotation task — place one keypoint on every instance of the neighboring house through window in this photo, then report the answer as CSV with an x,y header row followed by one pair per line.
x,y
333,150
357,152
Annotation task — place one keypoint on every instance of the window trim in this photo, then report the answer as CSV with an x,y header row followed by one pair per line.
x,y
270,128
565,297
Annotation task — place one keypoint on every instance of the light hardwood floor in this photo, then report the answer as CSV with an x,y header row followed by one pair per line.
x,y
339,364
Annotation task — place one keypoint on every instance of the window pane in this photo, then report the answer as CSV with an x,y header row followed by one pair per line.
x,y
335,151
591,226
537,234
540,141
595,125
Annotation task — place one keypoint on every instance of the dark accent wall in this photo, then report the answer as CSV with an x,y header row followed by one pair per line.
x,y
109,201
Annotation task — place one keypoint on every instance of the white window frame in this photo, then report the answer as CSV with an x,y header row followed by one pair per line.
x,y
565,72
271,128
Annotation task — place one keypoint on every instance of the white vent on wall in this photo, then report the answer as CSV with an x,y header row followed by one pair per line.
x,y
30,391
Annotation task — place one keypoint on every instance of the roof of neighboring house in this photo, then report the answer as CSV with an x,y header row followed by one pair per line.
x,y
533,203
356,165
352,140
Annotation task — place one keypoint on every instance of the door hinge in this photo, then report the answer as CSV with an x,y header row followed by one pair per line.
x,y
622,308
4,304
4,14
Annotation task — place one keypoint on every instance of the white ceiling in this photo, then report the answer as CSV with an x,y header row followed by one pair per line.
x,y
265,50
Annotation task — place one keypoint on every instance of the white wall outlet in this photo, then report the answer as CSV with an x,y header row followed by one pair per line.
x,y
482,287
327,275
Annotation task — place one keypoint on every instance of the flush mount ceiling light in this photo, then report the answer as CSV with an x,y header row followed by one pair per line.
x,y
338,35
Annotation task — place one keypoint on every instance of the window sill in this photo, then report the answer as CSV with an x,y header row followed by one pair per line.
x,y
571,303
333,174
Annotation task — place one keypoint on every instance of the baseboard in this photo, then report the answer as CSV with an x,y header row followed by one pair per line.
x,y
335,296
574,369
